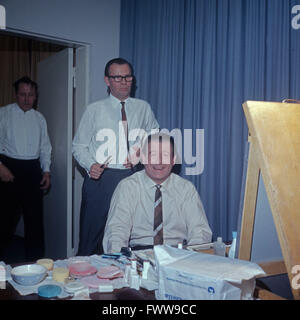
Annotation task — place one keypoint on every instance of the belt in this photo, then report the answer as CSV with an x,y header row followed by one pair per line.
x,y
4,157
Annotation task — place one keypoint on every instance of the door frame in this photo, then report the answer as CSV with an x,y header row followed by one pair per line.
x,y
43,37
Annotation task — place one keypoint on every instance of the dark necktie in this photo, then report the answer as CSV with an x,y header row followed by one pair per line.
x,y
125,123
158,217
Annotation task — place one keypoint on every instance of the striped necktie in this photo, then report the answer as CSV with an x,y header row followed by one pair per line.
x,y
158,218
125,123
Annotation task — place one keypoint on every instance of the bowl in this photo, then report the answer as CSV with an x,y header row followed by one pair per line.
x,y
29,274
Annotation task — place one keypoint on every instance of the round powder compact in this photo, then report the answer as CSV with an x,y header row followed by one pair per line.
x,y
110,272
94,282
81,269
49,291
47,263
74,286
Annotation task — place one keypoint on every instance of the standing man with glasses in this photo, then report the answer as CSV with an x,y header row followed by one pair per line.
x,y
103,147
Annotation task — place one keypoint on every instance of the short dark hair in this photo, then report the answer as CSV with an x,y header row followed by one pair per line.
x,y
121,61
159,136
25,80
117,61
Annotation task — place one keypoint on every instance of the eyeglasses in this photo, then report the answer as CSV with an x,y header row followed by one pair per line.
x,y
119,78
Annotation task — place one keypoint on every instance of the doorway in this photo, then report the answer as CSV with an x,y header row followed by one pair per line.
x,y
19,56
38,58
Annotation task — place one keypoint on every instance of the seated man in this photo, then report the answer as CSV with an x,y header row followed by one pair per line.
x,y
155,206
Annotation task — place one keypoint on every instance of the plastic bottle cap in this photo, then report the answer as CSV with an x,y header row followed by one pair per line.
x,y
133,264
146,266
219,239
135,282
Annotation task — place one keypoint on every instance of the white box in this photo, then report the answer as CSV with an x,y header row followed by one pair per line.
x,y
187,275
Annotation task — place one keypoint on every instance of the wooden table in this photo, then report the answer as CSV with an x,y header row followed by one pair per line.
x,y
130,294
118,294
121,294
9,293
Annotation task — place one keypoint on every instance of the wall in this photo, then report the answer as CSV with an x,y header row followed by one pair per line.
x,y
96,22
265,246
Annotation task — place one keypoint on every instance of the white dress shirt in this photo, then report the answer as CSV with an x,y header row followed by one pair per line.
x,y
131,215
102,119
23,135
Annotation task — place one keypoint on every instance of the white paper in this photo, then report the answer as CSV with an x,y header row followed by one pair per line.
x,y
191,275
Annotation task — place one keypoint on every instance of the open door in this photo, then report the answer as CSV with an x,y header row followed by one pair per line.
x,y
55,79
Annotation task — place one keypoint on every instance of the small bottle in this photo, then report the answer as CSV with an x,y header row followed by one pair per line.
x,y
219,247
231,253
127,273
135,281
133,265
146,266
134,278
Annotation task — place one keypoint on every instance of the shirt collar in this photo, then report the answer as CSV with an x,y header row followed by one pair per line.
x,y
18,109
115,101
149,183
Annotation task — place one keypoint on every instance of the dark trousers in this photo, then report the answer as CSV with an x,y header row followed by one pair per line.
x,y
96,196
22,196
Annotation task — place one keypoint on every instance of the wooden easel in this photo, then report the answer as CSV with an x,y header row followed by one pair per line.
x,y
274,135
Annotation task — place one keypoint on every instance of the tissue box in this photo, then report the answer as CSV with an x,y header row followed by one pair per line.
x,y
186,275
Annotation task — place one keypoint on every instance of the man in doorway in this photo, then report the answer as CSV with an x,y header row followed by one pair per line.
x,y
25,158
155,206
102,136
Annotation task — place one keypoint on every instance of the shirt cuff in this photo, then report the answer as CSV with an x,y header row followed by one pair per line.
x,y
46,167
